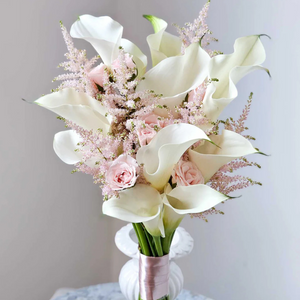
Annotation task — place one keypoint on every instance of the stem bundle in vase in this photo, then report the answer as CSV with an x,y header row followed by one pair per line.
x,y
154,247
153,140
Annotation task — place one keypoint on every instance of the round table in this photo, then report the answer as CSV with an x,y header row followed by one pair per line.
x,y
109,291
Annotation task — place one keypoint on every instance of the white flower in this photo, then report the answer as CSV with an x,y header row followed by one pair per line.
x,y
248,55
175,76
77,107
160,204
105,35
161,43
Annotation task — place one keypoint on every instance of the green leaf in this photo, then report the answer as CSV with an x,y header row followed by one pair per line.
x,y
156,22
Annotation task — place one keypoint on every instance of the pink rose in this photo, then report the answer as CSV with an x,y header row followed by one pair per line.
x,y
128,60
122,173
186,173
97,74
154,120
145,135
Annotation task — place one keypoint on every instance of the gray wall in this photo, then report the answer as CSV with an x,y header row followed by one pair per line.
x,y
52,233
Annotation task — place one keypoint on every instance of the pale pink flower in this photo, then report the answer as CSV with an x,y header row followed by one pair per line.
x,y
97,74
153,120
145,134
122,173
128,60
186,173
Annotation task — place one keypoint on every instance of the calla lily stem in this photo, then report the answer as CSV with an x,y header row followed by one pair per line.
x,y
153,245
142,239
167,241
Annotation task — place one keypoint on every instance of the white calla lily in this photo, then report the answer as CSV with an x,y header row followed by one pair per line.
x,y
140,204
64,145
187,200
193,199
139,57
175,76
247,57
162,213
209,158
79,108
165,150
162,44
105,35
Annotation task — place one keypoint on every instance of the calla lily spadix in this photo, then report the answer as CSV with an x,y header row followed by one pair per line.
x,y
105,35
175,76
248,55
77,107
161,43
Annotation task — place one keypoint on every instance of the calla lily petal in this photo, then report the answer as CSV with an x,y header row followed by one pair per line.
x,y
248,54
171,219
193,199
175,76
139,57
142,203
162,44
64,145
156,226
209,158
77,107
103,33
165,150
157,23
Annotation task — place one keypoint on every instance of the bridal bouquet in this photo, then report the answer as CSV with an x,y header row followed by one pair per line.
x,y
152,139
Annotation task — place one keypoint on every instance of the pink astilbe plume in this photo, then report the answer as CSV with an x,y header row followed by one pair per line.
x,y
78,65
197,31
97,151
238,164
238,126
191,110
205,214
120,96
227,184
224,180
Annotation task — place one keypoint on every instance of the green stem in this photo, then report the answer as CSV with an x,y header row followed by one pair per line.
x,y
142,239
167,241
157,242
151,242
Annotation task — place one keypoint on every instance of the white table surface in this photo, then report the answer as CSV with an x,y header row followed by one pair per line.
x,y
108,291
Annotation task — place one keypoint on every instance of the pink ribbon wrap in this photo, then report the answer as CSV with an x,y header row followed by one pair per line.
x,y
154,277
